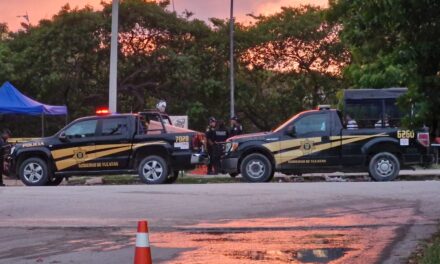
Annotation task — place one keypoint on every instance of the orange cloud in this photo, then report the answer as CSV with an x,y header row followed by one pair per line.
x,y
273,6
45,9
37,10
267,7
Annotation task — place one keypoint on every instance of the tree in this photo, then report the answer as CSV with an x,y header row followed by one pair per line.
x,y
285,62
59,61
394,43
297,58
167,56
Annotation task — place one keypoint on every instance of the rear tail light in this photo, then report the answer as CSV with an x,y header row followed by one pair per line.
x,y
423,139
198,141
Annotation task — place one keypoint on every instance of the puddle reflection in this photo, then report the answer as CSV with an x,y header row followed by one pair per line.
x,y
341,238
323,255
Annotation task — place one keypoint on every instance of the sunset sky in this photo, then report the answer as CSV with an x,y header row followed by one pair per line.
x,y
203,9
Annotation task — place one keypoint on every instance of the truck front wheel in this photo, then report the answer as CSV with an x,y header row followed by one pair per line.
x,y
384,166
153,170
33,172
256,168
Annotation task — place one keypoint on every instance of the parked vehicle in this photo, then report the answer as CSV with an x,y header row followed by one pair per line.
x,y
110,144
319,141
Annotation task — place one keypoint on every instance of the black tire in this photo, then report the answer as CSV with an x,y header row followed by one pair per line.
x,y
153,170
233,175
256,168
54,180
271,176
33,172
172,177
384,166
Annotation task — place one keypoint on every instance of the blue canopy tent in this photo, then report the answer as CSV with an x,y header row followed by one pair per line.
x,y
12,101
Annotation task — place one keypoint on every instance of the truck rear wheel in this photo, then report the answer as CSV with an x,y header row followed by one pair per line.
x,y
33,172
256,168
153,170
384,166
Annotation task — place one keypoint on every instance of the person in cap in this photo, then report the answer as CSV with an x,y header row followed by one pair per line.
x,y
350,122
6,133
236,127
382,123
210,143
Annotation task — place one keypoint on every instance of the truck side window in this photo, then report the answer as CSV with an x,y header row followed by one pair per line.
x,y
82,129
312,125
114,127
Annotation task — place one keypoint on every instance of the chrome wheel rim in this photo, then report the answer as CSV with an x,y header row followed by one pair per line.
x,y
384,167
152,170
255,169
33,172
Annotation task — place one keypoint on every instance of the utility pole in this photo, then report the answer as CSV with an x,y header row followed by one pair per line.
x,y
231,58
113,93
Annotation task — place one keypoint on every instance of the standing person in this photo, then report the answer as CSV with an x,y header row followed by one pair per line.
x,y
210,143
6,133
236,127
221,135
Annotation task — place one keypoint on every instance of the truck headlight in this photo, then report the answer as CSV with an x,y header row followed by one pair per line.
x,y
231,146
12,150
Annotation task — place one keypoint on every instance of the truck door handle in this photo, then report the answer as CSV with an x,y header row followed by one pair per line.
x,y
325,139
91,144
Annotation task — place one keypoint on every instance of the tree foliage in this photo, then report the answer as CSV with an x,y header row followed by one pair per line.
x,y
292,61
285,62
394,43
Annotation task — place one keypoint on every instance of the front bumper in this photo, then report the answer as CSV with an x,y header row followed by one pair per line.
x,y
199,158
229,165
9,167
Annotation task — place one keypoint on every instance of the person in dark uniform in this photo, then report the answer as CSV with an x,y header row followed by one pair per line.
x,y
3,145
236,127
210,143
221,135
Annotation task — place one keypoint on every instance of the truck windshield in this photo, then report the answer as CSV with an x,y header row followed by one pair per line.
x,y
289,121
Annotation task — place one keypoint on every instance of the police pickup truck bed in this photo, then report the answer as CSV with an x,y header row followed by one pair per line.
x,y
316,141
111,144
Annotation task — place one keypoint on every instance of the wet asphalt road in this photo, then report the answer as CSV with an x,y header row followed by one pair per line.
x,y
320,222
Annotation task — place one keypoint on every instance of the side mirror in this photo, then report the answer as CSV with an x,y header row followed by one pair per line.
x,y
291,131
62,136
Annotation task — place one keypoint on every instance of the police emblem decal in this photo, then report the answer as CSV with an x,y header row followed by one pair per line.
x,y
307,146
79,155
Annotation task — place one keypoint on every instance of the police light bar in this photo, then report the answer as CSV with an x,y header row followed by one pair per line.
x,y
102,111
323,107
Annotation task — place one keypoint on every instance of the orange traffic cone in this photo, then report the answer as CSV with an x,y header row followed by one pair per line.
x,y
142,254
200,170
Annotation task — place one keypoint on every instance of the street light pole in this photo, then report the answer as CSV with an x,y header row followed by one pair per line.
x,y
231,58
113,93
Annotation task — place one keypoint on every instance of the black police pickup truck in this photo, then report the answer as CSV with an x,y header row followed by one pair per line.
x,y
110,144
317,141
